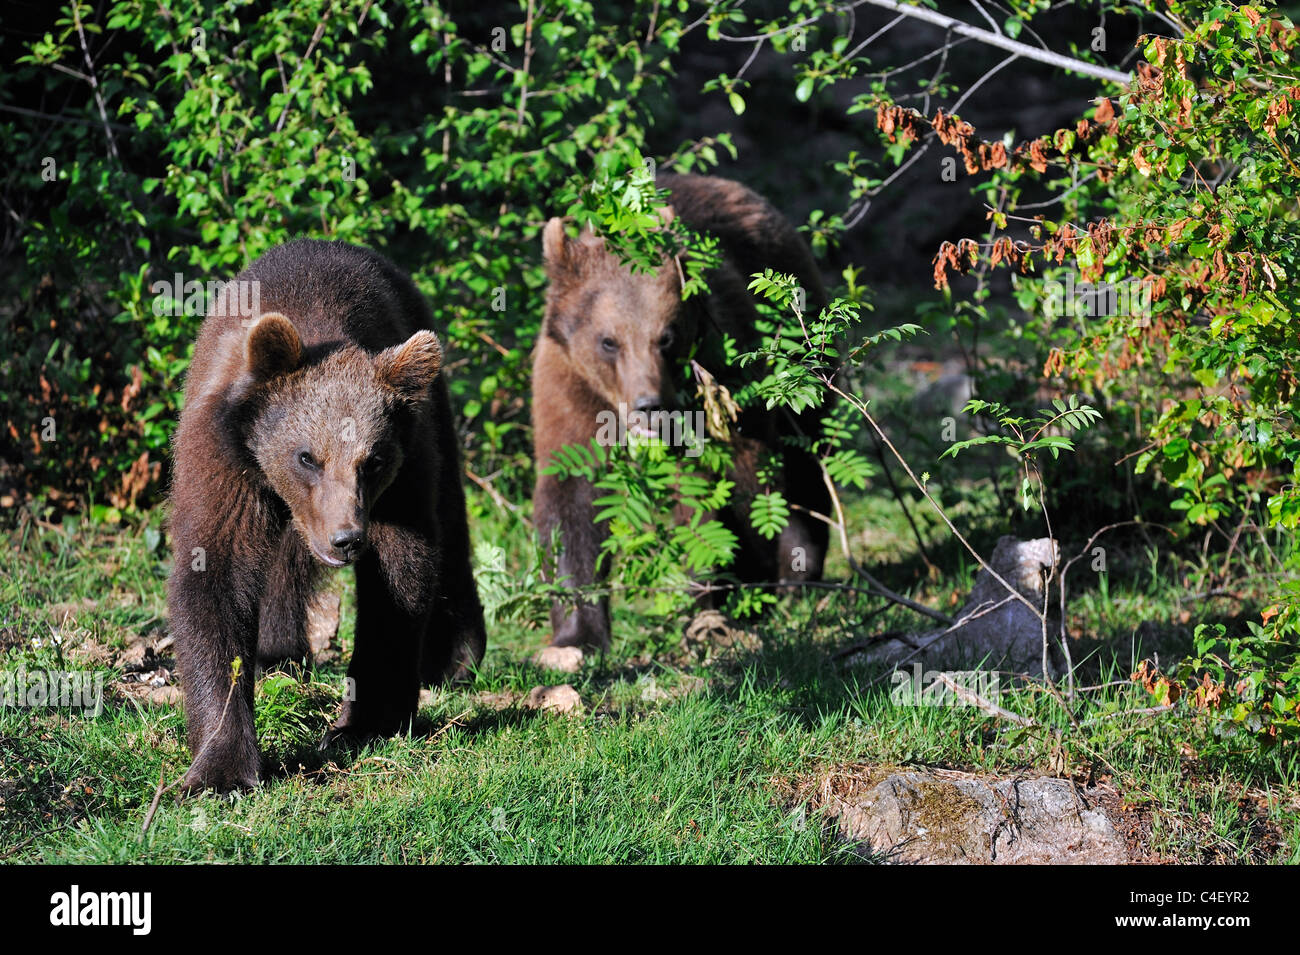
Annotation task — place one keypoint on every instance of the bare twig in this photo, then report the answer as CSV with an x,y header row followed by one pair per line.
x,y
967,695
55,118
91,78
984,13
970,90
153,806
521,110
497,499
934,637
861,408
1065,568
311,47
902,504
160,790
841,525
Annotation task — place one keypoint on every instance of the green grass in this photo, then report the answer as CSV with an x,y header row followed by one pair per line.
x,y
670,760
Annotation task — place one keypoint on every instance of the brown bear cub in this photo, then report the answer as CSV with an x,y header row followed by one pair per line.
x,y
316,433
612,339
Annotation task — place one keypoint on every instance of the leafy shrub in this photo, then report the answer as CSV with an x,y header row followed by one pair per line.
x,y
206,133
1184,198
1245,688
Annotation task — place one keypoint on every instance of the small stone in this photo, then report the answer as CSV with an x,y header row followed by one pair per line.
x,y
557,699
165,695
560,659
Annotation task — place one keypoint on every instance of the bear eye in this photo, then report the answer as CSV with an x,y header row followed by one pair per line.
x,y
609,344
375,464
666,340
306,460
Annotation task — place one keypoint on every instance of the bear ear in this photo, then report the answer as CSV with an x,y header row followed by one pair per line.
x,y
555,246
409,368
273,347
560,252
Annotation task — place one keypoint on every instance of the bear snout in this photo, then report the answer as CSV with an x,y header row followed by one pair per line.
x,y
346,544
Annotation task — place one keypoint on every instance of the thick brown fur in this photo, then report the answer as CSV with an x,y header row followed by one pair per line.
x,y
315,434
612,337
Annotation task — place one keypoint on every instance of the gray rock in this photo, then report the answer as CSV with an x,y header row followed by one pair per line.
x,y
1006,638
943,817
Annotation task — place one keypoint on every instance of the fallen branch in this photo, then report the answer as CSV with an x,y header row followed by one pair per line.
x,y
967,695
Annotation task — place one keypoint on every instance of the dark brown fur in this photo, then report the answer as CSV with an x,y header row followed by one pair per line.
x,y
341,364
592,299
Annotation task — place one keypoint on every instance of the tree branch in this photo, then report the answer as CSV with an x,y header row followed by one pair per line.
x,y
1004,42
94,86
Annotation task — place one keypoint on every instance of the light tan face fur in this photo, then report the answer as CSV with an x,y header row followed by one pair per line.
x,y
325,438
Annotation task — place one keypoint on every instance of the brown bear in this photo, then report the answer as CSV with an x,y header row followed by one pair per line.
x,y
613,339
317,433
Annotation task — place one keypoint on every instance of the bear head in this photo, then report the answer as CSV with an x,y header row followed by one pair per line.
x,y
328,435
624,332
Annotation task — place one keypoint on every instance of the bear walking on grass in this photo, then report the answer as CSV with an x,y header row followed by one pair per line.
x,y
614,339
316,434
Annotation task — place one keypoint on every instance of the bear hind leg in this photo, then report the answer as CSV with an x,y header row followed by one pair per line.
x,y
454,640
801,547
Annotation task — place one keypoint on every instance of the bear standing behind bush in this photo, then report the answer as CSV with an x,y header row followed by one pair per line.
x,y
316,433
616,341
